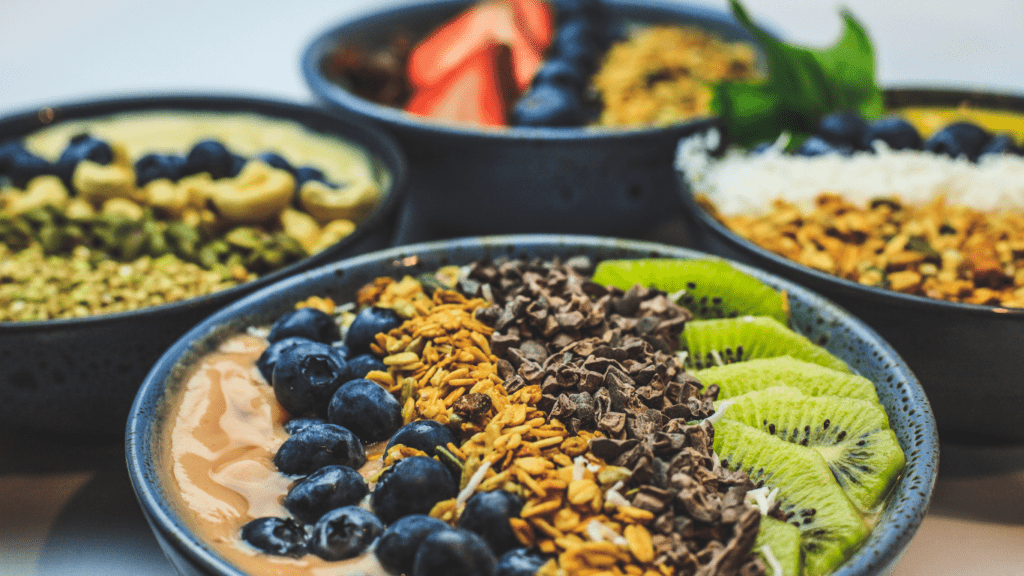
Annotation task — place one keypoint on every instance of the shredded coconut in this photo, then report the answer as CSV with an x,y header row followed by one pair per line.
x,y
579,466
599,532
612,496
721,410
474,482
773,562
741,183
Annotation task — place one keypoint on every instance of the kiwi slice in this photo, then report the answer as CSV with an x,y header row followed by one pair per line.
x,y
853,436
727,340
708,288
782,541
830,526
811,379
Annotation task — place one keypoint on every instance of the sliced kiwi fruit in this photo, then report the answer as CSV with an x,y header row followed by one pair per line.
x,y
811,379
727,340
708,288
782,541
853,436
830,526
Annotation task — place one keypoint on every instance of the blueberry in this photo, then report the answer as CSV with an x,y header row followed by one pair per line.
x,y
82,147
843,128
319,445
816,146
561,72
212,157
362,365
549,105
307,323
307,173
958,139
424,435
518,562
412,486
1001,144
277,536
158,166
761,148
324,490
896,132
367,409
306,376
268,359
488,513
578,41
453,553
397,546
295,424
367,324
277,161
344,533
20,165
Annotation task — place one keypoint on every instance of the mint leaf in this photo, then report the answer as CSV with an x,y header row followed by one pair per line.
x,y
802,86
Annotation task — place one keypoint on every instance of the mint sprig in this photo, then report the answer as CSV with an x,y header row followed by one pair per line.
x,y
803,85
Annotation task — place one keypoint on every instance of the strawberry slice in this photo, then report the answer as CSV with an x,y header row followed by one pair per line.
x,y
486,22
480,90
536,19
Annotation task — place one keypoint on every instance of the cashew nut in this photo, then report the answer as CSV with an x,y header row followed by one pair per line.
x,y
40,191
98,182
332,233
302,227
257,194
350,201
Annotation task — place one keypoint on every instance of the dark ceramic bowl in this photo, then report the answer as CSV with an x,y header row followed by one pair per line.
x,y
822,321
969,358
79,375
471,181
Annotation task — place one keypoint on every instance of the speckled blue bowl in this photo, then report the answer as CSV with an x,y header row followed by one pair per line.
x,y
79,376
471,181
819,319
969,357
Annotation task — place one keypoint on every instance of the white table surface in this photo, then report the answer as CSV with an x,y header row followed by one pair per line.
x,y
67,508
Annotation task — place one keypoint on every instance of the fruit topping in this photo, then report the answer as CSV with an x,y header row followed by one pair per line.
x,y
158,166
268,359
453,552
518,562
324,490
423,435
367,324
81,147
845,129
724,341
368,410
306,376
480,90
318,445
896,132
396,549
344,532
412,486
362,365
958,139
277,536
214,158
488,514
305,322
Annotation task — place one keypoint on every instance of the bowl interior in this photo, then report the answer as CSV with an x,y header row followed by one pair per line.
x,y
812,315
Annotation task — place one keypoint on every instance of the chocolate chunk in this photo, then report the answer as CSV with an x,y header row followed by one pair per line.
x,y
534,351
472,405
609,449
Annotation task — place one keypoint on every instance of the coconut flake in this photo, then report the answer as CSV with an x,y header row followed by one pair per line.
x,y
720,411
579,467
474,482
612,496
773,562
599,532
759,497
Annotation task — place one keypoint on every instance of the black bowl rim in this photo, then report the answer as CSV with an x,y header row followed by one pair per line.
x,y
895,97
178,535
335,95
376,142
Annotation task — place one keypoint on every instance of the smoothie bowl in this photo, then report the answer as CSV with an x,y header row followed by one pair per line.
x,y
516,405
124,222
918,237
509,131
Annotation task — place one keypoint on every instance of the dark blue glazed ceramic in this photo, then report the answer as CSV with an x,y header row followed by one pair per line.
x,y
466,180
969,358
819,319
79,376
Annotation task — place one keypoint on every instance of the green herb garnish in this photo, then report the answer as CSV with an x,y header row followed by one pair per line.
x,y
802,86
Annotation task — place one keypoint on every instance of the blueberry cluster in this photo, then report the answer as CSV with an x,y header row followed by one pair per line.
x,y
320,378
20,165
557,95
846,132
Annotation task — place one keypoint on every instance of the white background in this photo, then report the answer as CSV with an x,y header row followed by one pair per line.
x,y
68,509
